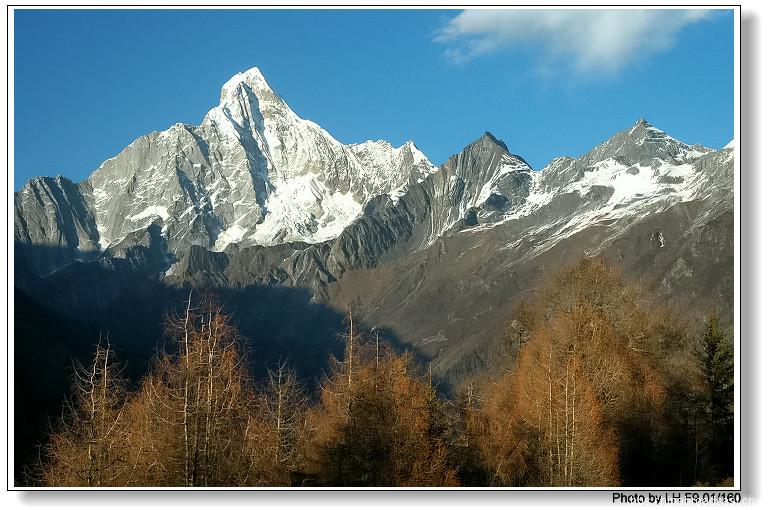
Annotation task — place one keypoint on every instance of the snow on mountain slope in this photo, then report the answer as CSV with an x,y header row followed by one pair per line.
x,y
478,185
379,156
300,209
638,172
253,172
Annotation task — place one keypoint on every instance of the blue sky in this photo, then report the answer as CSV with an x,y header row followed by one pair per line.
x,y
87,83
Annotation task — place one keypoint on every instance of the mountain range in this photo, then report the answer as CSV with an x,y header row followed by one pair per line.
x,y
260,204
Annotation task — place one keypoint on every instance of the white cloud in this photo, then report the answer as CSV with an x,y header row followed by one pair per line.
x,y
601,41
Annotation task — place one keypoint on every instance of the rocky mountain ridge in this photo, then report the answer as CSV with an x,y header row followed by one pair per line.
x,y
257,198
252,173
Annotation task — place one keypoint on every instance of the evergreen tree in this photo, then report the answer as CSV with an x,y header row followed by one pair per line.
x,y
715,360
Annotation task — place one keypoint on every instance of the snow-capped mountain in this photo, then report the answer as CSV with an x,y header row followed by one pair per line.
x,y
252,172
487,200
257,198
635,173
485,228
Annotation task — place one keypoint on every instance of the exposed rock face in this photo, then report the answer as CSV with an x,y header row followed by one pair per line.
x,y
253,173
256,196
53,214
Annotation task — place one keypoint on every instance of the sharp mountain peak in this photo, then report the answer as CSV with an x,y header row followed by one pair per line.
x,y
254,173
253,78
255,199
489,137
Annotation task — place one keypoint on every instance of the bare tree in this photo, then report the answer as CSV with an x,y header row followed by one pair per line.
x,y
278,428
88,447
192,413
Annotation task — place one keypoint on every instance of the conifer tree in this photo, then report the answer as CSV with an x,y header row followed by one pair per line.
x,y
715,360
377,422
584,387
277,429
192,411
89,446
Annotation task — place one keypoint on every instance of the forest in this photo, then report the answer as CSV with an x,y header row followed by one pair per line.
x,y
596,386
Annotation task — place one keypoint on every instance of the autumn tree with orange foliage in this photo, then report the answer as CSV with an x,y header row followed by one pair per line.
x,y
599,387
557,416
188,422
88,447
378,421
277,429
